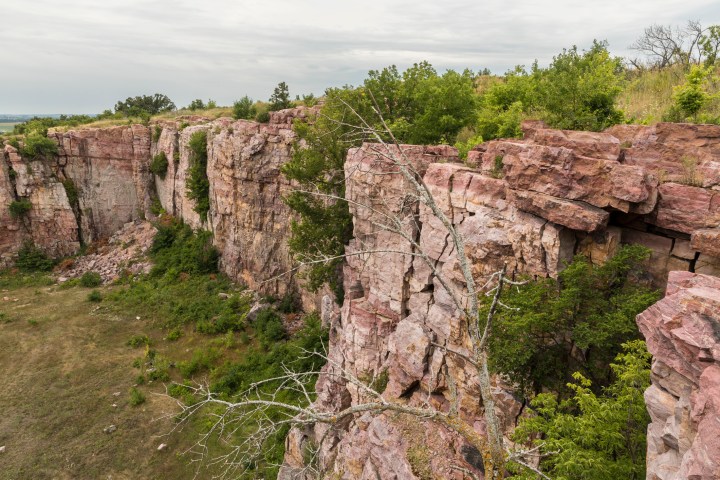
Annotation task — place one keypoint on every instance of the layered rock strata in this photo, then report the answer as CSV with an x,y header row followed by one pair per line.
x,y
683,334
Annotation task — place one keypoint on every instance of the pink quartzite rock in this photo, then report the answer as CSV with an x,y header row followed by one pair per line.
x,y
683,334
706,241
568,213
686,208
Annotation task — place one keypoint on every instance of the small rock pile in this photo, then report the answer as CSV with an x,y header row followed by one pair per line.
x,y
126,251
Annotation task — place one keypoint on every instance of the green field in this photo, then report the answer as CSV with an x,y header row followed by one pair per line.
x,y
7,127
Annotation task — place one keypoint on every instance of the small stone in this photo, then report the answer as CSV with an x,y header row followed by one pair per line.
x,y
2,449
223,295
110,429
162,446
114,405
137,318
116,394
6,299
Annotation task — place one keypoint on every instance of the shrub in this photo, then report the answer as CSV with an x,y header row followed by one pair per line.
x,y
244,108
19,208
159,165
576,323
37,145
95,296
157,131
71,192
262,117
202,359
269,326
174,334
692,96
136,397
198,185
176,247
593,437
31,259
90,280
138,340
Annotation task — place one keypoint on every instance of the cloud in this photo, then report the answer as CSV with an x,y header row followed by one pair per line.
x,y
82,56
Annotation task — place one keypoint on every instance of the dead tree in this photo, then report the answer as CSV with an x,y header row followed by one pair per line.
x,y
248,411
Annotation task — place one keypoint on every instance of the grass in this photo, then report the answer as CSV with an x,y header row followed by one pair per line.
x,y
648,95
7,127
62,359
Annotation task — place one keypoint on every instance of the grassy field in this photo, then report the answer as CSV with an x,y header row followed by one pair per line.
x,y
67,372
6,127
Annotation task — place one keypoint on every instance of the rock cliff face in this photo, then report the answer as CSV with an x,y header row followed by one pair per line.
x,y
531,204
683,334
247,216
106,174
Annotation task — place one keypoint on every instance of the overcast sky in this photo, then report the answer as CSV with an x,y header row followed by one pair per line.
x,y
81,56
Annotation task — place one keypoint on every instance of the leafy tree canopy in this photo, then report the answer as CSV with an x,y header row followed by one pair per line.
x,y
148,104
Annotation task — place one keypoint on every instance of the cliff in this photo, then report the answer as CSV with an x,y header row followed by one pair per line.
x,y
108,171
530,204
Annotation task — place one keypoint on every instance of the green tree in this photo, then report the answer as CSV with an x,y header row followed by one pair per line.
x,y
418,105
244,108
578,91
196,104
692,96
280,99
149,104
198,185
590,436
575,323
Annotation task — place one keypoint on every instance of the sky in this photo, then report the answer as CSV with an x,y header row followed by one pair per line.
x,y
82,56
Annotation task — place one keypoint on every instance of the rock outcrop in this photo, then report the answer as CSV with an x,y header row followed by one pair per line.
x,y
529,204
683,335
100,180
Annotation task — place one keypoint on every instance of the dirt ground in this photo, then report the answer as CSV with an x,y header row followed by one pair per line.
x,y
65,375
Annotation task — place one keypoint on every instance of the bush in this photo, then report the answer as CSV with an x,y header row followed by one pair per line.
x,y
269,326
71,192
262,117
32,259
244,108
90,280
95,296
19,208
136,397
138,340
36,145
176,247
576,323
198,185
589,436
202,359
159,165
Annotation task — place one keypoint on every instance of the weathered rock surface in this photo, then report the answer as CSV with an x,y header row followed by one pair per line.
x,y
124,254
531,204
683,334
110,170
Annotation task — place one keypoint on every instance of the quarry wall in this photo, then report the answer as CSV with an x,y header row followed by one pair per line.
x,y
530,204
